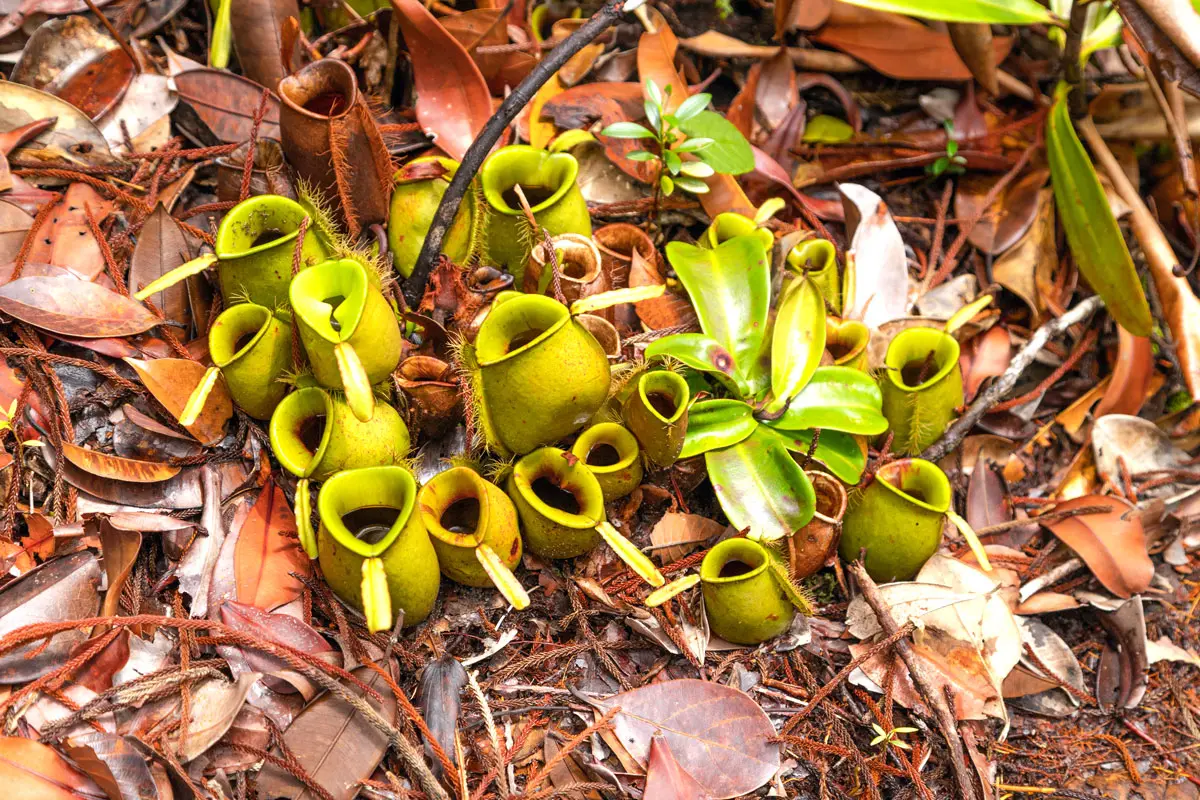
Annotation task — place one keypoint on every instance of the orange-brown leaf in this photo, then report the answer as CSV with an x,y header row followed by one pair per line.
x,y
31,769
267,551
665,779
115,468
1112,544
656,62
120,552
171,381
684,532
1131,376
888,48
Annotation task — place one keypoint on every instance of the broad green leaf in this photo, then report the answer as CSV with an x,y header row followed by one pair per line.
x,y
761,487
730,288
627,130
699,352
797,341
828,130
996,12
693,185
729,153
838,451
694,145
717,423
838,399
1092,231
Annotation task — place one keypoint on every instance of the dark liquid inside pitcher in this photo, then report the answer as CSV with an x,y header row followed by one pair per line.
x,y
268,236
327,104
523,338
462,516
555,496
534,195
244,340
334,302
603,455
370,523
312,430
663,403
731,569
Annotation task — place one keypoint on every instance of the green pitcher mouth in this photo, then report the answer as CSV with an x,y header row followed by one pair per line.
x,y
353,489
919,482
606,433
748,553
529,167
816,253
251,219
288,432
552,464
846,340
231,328
305,91
660,383
512,322
312,288
441,493
908,351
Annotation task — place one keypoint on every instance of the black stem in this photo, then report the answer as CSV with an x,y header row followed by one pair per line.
x,y
602,20
1072,68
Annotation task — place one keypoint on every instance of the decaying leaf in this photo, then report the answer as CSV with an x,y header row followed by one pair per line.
x,y
268,553
31,769
679,534
73,307
172,380
665,779
62,589
115,468
878,291
1112,544
215,703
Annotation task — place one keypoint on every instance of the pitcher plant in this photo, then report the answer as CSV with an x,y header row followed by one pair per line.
x,y
473,526
548,181
537,374
817,258
348,330
562,511
373,548
897,518
419,187
611,453
847,340
254,248
743,598
922,387
656,411
816,544
314,435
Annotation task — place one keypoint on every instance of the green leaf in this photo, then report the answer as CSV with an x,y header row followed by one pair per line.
x,y
838,451
1092,231
826,129
838,399
692,106
653,94
730,288
996,12
627,130
673,162
694,145
797,341
668,185
697,169
653,114
641,155
693,185
730,153
761,487
717,423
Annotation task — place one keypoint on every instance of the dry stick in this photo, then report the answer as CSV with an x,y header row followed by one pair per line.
x,y
1020,362
1072,66
602,20
942,713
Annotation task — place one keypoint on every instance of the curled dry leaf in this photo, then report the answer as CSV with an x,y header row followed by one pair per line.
x,y
1027,267
1125,445
718,735
73,307
442,682
281,629
31,769
62,589
334,744
171,381
1131,375
1009,216
985,356
665,779
120,552
268,553
1112,544
114,763
676,535
453,101
227,103
878,291
668,310
104,465
72,131
1127,624
215,703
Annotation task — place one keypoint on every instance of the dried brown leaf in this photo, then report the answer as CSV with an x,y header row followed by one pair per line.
x,y
1112,544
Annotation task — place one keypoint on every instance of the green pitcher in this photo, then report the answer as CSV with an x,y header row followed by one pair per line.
x,y
253,349
374,551
610,452
818,258
348,330
744,601
656,411
897,518
473,526
537,374
548,181
254,248
847,340
562,513
729,224
922,387
314,434
420,185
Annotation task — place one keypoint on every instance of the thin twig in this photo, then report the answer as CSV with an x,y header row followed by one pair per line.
x,y
602,20
1016,368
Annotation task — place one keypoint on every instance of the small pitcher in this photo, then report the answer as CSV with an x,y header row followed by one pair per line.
x,y
815,545
922,387
548,181
730,224
818,258
538,374
897,519
315,435
744,601
611,453
254,248
657,413
562,511
419,187
252,349
348,330
847,340
474,530
374,551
